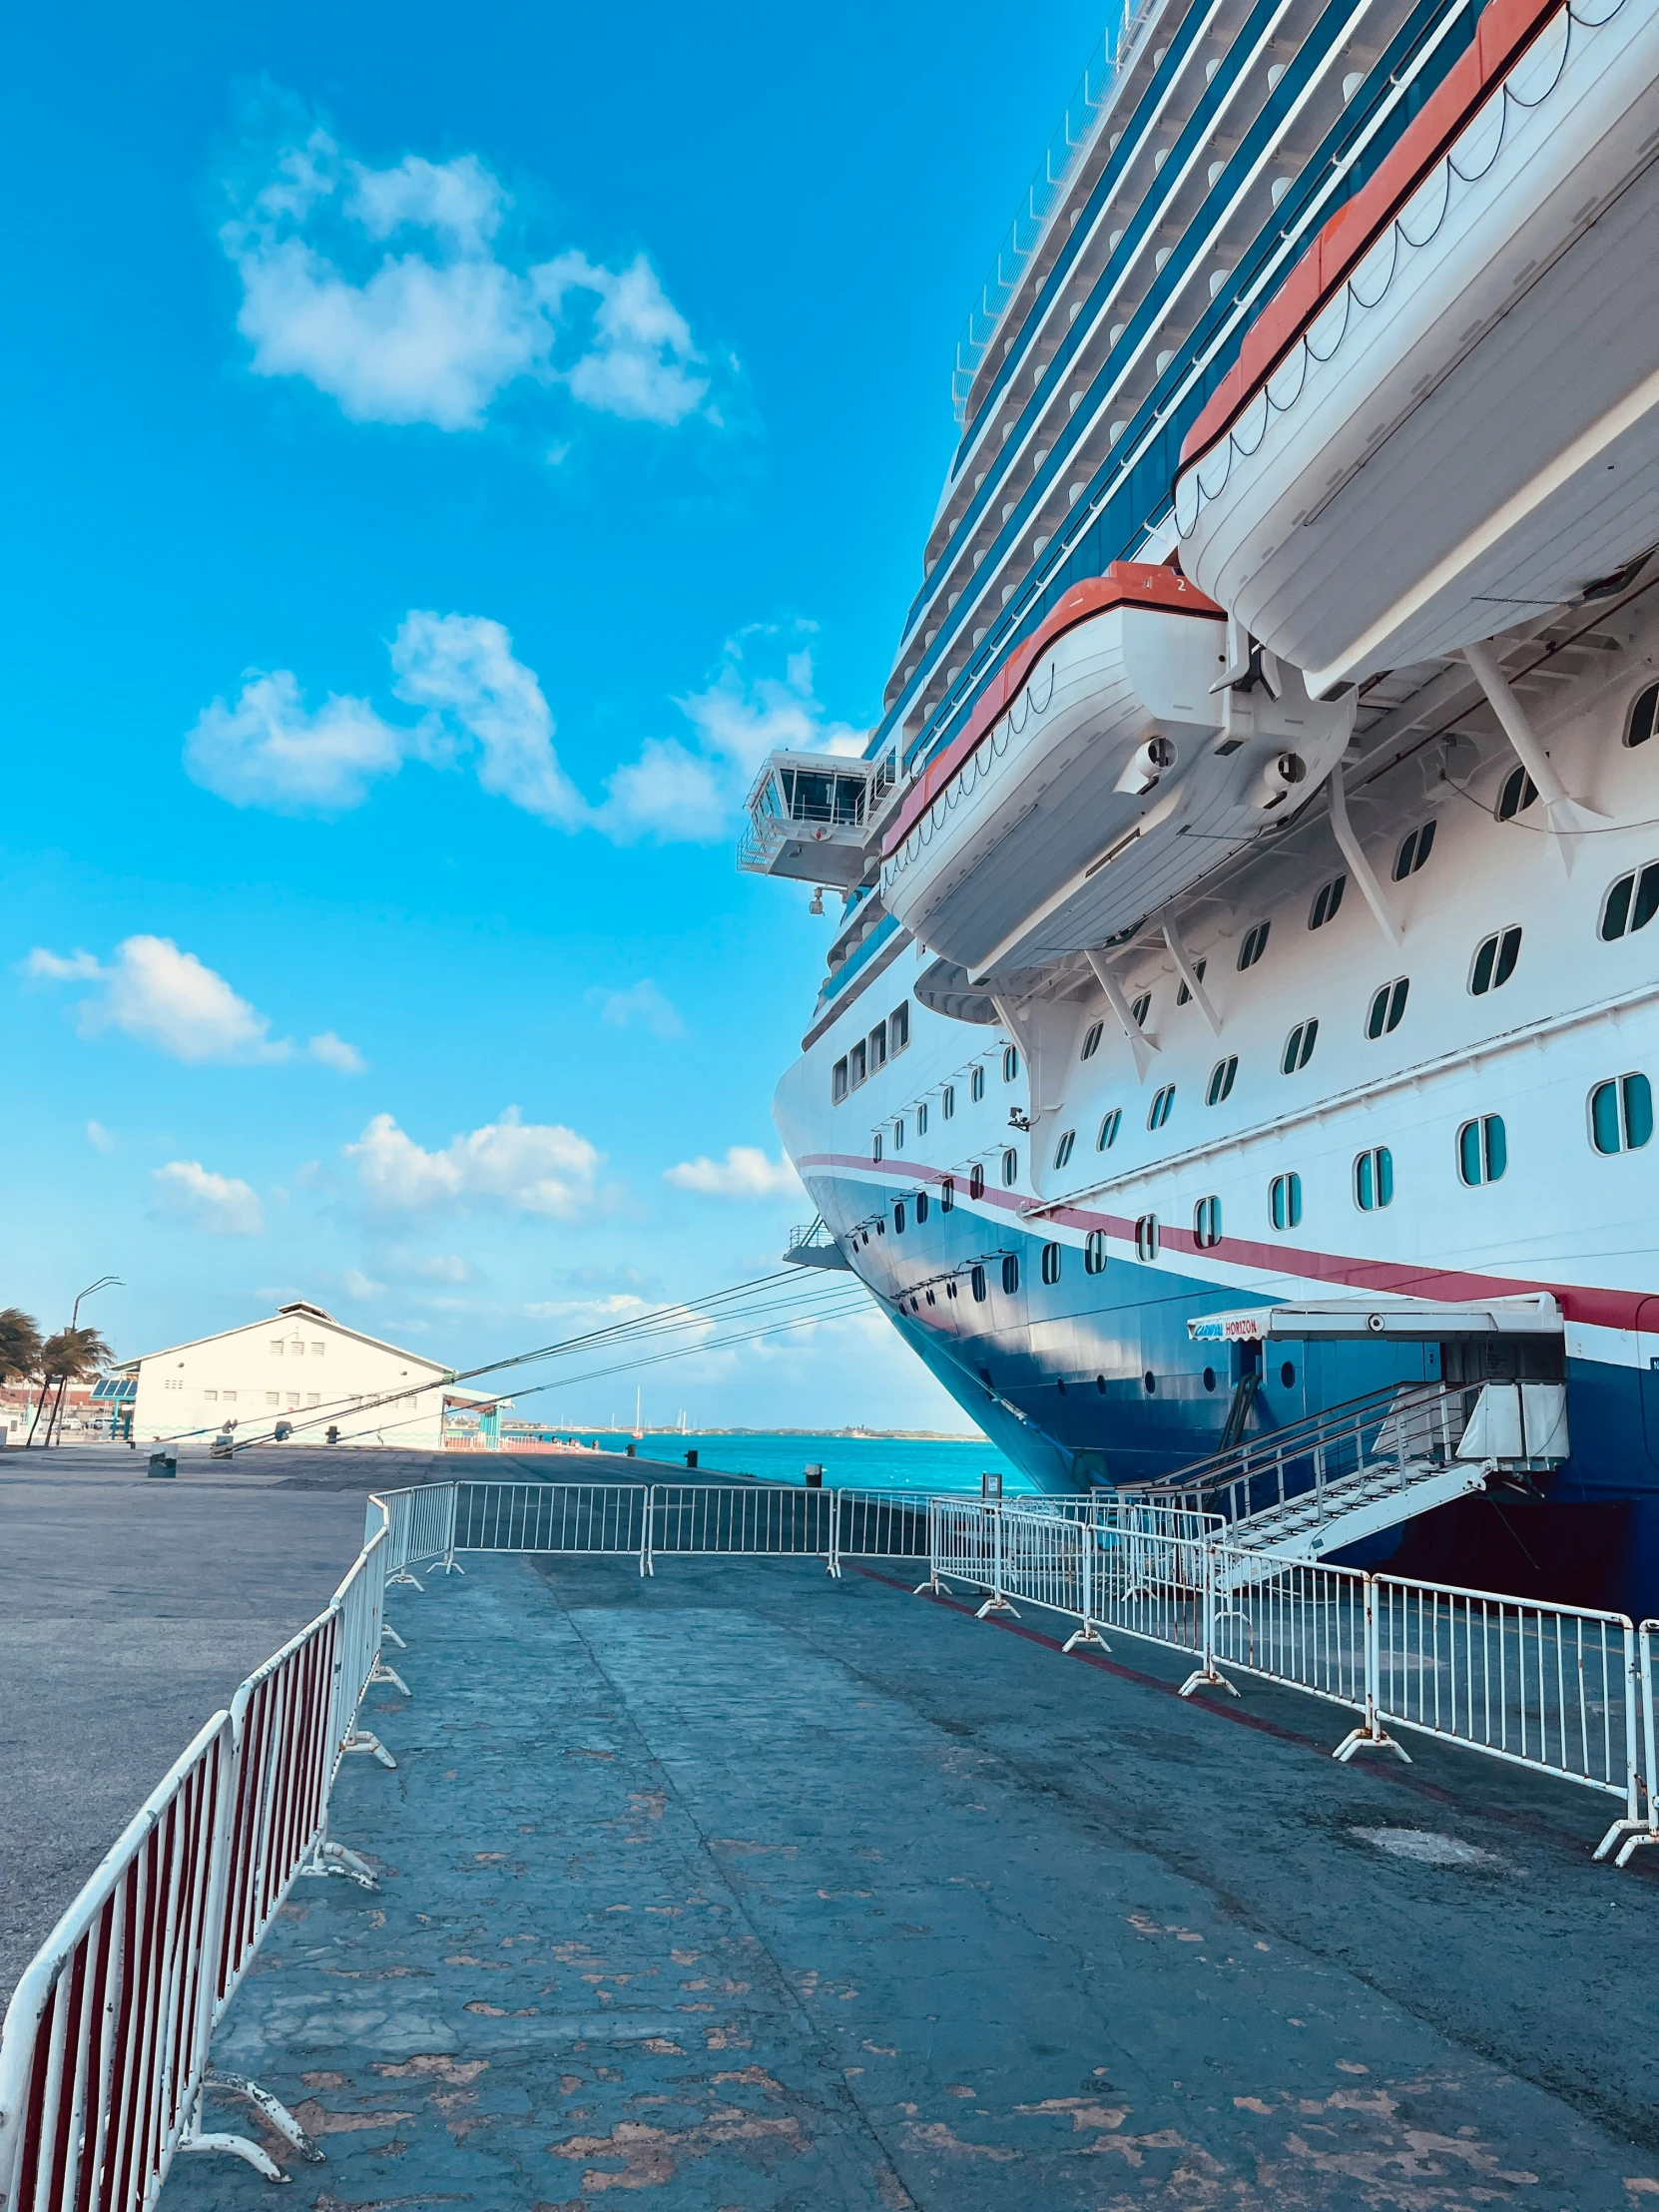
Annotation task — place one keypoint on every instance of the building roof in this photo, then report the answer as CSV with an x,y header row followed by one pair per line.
x,y
296,1309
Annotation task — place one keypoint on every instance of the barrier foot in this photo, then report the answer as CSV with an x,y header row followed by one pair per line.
x,y
1626,1834
449,1568
362,1740
1087,1634
932,1587
401,1576
1369,1739
383,1673
995,1605
386,1629
330,1858
272,2109
239,2147
1207,1678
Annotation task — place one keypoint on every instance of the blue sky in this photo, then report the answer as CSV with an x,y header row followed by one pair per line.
x,y
444,452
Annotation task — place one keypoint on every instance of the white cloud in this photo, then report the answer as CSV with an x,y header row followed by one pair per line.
x,y
270,750
642,1003
524,1167
392,291
359,1285
746,1172
99,1137
192,1195
461,668
161,996
437,1266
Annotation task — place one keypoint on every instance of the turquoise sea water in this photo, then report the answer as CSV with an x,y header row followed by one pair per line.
x,y
848,1463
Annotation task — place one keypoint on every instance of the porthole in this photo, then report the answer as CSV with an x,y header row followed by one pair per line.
x,y
977,1181
1010,1168
1517,794
1286,1376
1010,1273
1010,1063
1094,1252
1149,1383
1621,1114
921,1208
951,1288
1062,1151
1631,903
898,1136
898,1216
976,1085
1109,1130
1158,1112
1643,714
1386,1006
1326,899
1183,996
1146,1237
1285,1201
1207,1224
1208,1378
1298,1047
1141,1009
977,1281
922,1120
947,1194
1221,1080
1483,1150
875,1146
1414,848
947,1102
1091,1040
1374,1179
1100,1385
1255,945
1494,962
1051,1263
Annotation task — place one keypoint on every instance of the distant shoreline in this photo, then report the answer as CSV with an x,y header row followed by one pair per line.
x,y
871,1435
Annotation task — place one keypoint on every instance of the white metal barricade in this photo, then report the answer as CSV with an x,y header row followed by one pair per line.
x,y
587,1519
876,1524
1289,1621
1627,1836
767,1521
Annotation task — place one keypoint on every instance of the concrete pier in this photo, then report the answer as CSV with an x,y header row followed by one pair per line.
x,y
744,1888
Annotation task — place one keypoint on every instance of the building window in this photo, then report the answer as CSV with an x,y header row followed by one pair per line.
x,y
1141,1009
1326,899
1298,1047
839,1085
1414,848
1483,1150
1374,1179
1207,1224
1642,716
898,1216
1255,945
294,1398
1183,995
272,1397
899,1135
314,1397
1094,1252
976,1085
228,1397
921,1208
1621,1114
856,1061
1109,1130
1091,1040
899,1030
1146,1237
1158,1112
947,1102
1285,1201
276,1348
948,1195
875,1146
1051,1263
878,1047
1386,1006
1631,903
1010,1168
1010,1273
1062,1151
212,1397
1010,1063
1517,794
977,1281
1221,1080
977,1181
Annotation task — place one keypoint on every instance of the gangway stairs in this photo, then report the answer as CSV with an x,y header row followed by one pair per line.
x,y
1315,1486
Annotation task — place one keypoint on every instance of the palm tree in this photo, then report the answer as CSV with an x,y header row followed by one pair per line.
x,y
70,1356
20,1346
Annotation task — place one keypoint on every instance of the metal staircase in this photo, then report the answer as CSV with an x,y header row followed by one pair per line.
x,y
1312,1488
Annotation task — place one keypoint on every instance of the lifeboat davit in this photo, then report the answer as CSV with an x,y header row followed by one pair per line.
x,y
1448,416
1114,758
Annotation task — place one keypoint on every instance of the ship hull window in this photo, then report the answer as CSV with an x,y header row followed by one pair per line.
x,y
1483,1150
1374,1179
1285,1201
1094,1252
1621,1114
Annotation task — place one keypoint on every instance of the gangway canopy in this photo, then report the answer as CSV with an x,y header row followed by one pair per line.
x,y
1419,1319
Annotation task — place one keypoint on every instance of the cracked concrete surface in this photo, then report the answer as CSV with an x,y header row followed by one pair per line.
x,y
744,1890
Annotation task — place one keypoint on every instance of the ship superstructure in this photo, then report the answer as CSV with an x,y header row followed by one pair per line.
x,y
1248,888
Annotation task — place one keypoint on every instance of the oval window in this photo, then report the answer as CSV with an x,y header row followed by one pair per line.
x,y
977,1181
1010,1273
1109,1128
1094,1252
978,1279
1010,1168
1051,1263
1091,1041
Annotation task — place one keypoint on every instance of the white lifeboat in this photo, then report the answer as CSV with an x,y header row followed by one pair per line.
x,y
1108,765
1448,416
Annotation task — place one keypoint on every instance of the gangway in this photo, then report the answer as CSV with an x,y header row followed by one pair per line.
x,y
1317,1486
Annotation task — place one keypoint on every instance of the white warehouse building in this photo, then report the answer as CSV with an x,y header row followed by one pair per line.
x,y
301,1367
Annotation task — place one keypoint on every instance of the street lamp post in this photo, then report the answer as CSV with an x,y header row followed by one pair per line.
x,y
54,1424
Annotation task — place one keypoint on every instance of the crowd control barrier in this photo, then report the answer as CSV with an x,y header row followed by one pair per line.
x,y
103,2054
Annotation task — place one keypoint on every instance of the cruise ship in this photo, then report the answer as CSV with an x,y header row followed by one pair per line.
x,y
1245,1001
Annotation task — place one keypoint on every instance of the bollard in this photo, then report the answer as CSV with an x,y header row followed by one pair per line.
x,y
164,1465
814,1476
691,1459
